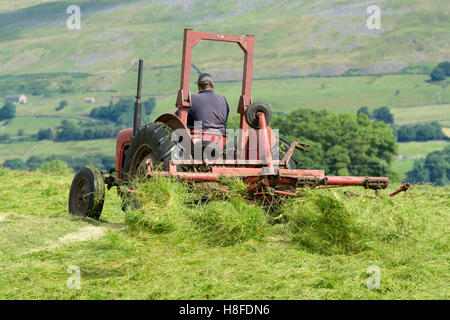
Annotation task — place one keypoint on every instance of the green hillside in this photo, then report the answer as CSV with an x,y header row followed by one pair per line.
x,y
314,54
292,37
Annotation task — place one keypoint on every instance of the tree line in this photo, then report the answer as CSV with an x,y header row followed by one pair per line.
x,y
379,114
441,71
8,111
427,131
122,112
113,118
101,161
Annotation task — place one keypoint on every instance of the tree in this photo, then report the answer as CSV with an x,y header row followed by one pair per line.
x,y
435,168
406,133
15,164
6,137
445,66
429,131
34,162
121,113
420,132
363,110
438,74
149,105
55,166
45,134
340,143
383,114
68,131
62,105
8,111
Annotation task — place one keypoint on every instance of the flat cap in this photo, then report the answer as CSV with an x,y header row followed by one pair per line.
x,y
205,79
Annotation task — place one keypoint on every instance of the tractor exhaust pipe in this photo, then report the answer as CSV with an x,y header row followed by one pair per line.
x,y
138,102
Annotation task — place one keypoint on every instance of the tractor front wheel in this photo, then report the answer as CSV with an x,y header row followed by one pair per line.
x,y
87,193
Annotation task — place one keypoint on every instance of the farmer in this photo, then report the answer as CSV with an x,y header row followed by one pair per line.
x,y
208,107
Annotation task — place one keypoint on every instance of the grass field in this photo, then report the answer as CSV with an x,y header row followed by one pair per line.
x,y
420,149
43,59
337,94
407,241
403,166
446,131
29,125
326,255
409,115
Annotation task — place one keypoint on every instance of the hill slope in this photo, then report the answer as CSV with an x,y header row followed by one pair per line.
x,y
40,57
293,37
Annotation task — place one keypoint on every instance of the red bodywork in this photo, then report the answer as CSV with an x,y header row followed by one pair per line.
x,y
258,173
123,140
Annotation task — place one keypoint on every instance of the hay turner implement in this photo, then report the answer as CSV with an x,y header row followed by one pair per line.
x,y
255,154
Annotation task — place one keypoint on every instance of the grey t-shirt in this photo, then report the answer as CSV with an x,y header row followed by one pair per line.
x,y
210,108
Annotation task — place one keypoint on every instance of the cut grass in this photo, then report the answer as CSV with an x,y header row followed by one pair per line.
x,y
168,206
407,241
225,223
320,222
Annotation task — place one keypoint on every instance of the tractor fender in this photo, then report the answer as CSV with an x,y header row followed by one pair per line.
x,y
172,121
175,123
123,140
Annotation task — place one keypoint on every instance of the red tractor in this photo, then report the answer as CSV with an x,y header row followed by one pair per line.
x,y
254,154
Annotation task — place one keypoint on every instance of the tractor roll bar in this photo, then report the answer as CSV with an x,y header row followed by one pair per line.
x,y
246,43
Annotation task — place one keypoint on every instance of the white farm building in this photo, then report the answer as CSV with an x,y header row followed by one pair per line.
x,y
20,98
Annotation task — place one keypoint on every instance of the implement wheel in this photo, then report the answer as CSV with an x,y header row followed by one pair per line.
x,y
87,193
252,111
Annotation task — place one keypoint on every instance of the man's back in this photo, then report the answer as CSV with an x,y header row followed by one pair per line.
x,y
210,108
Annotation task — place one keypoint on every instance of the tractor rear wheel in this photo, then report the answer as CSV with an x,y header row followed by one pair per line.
x,y
152,143
87,193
